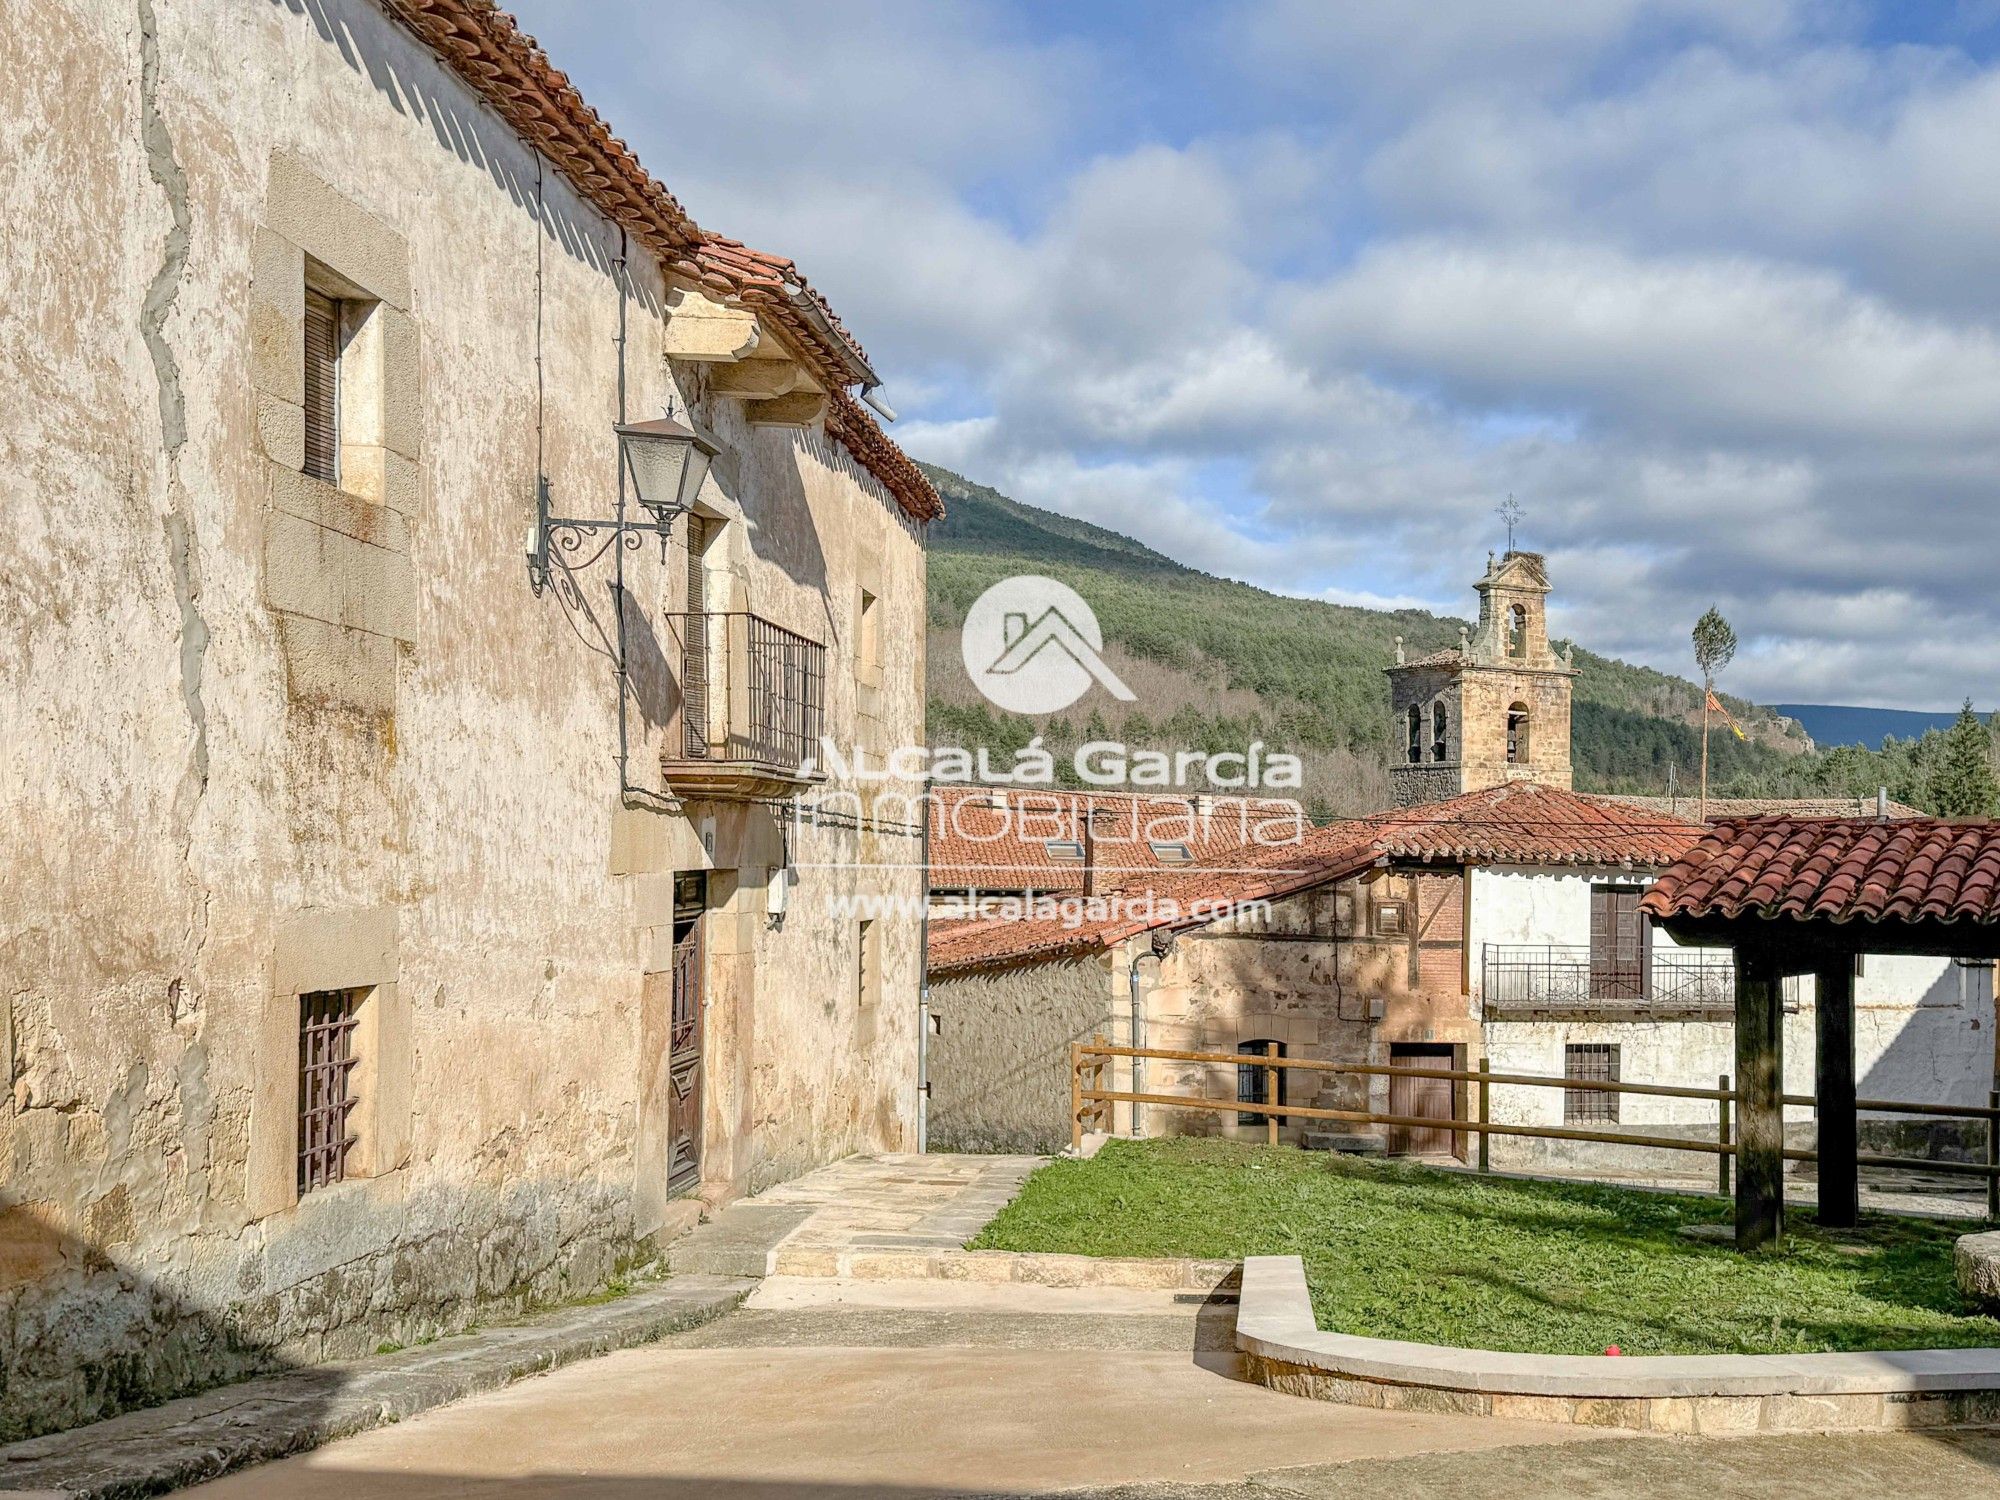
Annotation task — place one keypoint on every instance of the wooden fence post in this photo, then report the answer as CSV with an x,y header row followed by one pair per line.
x,y
1076,1097
1485,1115
1271,1088
1722,1136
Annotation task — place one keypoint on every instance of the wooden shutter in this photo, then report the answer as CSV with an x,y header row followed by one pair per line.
x,y
1618,944
694,648
322,338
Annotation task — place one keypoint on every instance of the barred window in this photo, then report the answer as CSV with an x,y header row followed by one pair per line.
x,y
1253,1083
327,1020
1595,1062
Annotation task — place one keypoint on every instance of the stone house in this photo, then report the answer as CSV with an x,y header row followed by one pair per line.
x,y
398,928
1349,945
1501,924
1495,913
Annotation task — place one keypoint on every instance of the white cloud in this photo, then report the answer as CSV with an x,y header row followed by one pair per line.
x,y
1706,283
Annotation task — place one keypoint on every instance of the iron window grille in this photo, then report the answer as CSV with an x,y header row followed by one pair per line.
x,y
1252,1083
773,716
327,1022
1590,1062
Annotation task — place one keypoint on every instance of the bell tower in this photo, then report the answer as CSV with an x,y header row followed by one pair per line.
x,y
1494,708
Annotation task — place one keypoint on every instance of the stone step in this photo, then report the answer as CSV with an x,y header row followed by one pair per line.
x,y
736,1242
1345,1144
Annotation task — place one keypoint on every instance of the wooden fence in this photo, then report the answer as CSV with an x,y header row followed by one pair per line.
x,y
1091,1101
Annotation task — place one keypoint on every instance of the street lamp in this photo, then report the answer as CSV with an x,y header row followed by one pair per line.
x,y
666,462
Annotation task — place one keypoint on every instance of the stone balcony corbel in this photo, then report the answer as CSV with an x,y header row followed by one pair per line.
x,y
797,409
705,331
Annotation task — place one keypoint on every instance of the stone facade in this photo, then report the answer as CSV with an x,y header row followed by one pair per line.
x,y
1344,972
1503,695
270,734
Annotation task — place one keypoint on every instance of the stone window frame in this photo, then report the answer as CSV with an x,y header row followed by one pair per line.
x,y
351,949
337,571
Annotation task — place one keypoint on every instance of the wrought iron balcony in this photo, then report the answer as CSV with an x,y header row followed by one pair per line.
x,y
752,705
1555,978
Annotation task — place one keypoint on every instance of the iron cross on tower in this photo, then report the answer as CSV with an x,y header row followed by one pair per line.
x,y
1511,514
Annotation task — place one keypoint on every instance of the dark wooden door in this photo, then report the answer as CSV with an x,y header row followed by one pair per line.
x,y
684,1060
1618,943
1429,1098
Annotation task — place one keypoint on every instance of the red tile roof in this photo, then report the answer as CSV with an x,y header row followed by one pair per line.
x,y
1520,823
486,47
1261,873
1525,823
1836,870
978,844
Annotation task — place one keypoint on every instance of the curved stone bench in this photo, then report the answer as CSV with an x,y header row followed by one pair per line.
x,y
1284,1348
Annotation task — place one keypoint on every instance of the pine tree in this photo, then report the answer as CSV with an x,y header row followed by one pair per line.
x,y
1961,782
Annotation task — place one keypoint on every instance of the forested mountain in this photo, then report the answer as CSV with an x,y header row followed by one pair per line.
x,y
1217,664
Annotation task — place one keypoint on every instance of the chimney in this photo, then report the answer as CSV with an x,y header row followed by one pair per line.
x,y
1090,815
1881,804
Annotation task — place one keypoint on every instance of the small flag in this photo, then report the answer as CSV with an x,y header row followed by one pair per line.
x,y
1715,707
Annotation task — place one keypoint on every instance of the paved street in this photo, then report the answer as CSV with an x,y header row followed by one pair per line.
x,y
823,1390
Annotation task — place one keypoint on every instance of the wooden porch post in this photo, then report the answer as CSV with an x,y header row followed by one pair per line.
x,y
1839,1177
1760,1110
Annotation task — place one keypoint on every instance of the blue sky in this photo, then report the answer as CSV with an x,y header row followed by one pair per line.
x,y
1299,290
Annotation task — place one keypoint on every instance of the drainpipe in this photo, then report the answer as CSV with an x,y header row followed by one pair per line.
x,y
1163,944
924,990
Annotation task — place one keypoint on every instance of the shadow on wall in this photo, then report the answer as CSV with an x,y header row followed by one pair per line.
x,y
91,1338
474,137
1943,1052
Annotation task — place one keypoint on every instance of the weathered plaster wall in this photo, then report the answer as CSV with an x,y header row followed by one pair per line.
x,y
262,734
1923,1028
999,1062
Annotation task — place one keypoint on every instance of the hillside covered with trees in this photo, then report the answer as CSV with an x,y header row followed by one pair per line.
x,y
1217,664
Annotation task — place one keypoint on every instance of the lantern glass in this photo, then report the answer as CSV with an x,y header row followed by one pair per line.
x,y
667,462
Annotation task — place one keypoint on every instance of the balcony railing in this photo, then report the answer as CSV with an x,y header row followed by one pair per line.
x,y
753,702
1555,976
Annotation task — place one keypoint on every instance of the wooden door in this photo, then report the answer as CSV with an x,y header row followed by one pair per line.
x,y
1429,1098
1618,943
684,1059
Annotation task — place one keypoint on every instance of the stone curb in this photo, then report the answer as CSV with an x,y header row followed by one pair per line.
x,y
197,1438
1031,1269
1699,1393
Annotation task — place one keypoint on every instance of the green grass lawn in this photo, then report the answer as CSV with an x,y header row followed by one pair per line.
x,y
1452,1258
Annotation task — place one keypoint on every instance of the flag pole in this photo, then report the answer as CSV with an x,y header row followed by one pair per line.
x,y
1707,697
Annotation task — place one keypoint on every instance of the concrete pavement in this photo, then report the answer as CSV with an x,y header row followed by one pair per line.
x,y
825,1390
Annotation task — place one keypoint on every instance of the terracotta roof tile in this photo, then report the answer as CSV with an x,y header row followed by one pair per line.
x,y
978,844
1839,870
1520,823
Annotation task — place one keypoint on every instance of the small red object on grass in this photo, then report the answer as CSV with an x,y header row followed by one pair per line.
x,y
1614,1349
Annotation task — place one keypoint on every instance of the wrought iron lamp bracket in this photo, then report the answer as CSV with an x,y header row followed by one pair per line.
x,y
566,542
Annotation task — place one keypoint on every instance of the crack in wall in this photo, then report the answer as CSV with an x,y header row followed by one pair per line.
x,y
164,167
